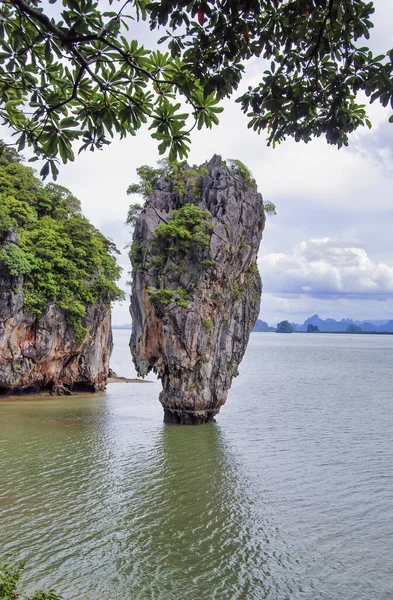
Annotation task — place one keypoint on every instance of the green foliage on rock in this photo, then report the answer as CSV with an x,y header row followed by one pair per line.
x,y
240,169
183,238
134,212
236,290
10,575
188,231
180,246
269,208
189,228
71,70
15,260
166,296
148,176
180,240
185,181
207,323
62,257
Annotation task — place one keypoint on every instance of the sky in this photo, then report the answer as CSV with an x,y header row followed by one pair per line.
x,y
329,249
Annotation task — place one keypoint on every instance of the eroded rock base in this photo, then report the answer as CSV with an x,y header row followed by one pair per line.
x,y
189,417
52,390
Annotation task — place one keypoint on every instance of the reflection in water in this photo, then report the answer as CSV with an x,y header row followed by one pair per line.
x,y
199,534
101,504
105,503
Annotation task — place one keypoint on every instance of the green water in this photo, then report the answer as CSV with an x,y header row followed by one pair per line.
x,y
288,496
157,515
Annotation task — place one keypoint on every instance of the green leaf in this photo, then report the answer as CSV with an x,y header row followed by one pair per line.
x,y
45,170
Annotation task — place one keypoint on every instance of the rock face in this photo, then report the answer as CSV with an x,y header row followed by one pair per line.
x,y
42,352
196,348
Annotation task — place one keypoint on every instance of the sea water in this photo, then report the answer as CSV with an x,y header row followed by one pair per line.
x,y
288,496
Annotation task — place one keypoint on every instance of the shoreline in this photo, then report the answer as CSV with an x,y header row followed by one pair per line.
x,y
118,379
24,395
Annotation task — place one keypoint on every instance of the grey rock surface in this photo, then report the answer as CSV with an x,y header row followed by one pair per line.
x,y
196,350
39,353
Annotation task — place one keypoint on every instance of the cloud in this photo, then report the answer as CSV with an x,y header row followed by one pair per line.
x,y
324,266
118,232
376,146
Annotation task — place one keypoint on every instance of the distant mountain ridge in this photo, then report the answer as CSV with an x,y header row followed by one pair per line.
x,y
262,326
324,325
333,326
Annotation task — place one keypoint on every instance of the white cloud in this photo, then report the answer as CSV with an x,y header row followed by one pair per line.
x,y
319,267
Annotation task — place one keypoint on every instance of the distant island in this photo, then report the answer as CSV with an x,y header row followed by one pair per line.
x,y
284,327
315,324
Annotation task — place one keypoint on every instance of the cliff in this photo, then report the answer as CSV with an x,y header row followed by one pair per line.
x,y
57,281
42,351
196,288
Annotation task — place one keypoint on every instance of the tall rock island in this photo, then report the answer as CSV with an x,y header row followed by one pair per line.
x,y
57,277
196,288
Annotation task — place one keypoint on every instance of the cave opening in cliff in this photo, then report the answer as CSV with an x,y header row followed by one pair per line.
x,y
81,387
34,389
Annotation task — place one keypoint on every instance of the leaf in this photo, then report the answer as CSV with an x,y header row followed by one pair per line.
x,y
45,170
69,122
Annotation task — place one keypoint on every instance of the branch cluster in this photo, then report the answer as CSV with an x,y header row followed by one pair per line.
x,y
81,77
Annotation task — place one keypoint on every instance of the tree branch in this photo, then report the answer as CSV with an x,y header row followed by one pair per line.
x,y
43,19
74,91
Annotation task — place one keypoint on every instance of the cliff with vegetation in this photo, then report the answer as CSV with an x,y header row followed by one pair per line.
x,y
57,280
196,288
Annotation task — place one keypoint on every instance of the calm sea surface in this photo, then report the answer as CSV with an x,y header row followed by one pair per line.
x,y
288,496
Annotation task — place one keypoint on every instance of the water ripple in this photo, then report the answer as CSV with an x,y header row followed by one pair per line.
x,y
288,497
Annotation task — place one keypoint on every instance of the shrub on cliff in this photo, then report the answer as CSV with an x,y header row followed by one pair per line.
x,y
189,228
62,257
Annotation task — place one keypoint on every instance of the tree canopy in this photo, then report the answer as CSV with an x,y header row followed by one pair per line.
x,y
72,72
